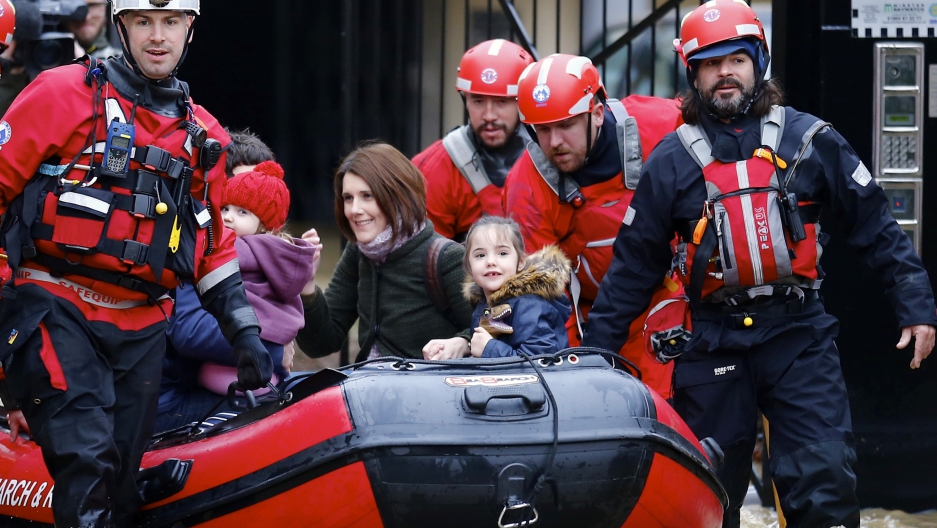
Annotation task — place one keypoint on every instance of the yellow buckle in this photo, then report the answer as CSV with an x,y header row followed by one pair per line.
x,y
766,154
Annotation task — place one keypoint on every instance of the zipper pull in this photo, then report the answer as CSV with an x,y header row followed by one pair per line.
x,y
701,225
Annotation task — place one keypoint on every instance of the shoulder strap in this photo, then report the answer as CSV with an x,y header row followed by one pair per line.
x,y
551,175
463,154
113,111
772,127
806,146
434,286
95,68
629,143
696,144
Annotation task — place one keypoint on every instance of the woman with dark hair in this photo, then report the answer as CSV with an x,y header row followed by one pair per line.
x,y
382,280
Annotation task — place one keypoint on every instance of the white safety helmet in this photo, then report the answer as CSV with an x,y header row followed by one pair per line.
x,y
119,6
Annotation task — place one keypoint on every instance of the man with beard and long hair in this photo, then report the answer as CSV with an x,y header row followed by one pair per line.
x,y
573,185
465,170
749,249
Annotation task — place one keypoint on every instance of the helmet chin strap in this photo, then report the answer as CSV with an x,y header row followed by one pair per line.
x,y
128,56
588,136
589,144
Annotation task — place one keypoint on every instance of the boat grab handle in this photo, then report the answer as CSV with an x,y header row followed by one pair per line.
x,y
477,398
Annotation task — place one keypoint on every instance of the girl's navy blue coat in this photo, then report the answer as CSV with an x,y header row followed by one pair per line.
x,y
538,306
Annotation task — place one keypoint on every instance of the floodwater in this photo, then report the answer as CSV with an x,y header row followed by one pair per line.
x,y
759,517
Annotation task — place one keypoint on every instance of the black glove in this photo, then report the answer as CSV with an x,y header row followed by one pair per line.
x,y
227,301
254,364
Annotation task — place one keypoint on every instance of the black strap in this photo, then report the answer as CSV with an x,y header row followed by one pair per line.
x,y
30,212
129,252
163,231
777,305
154,291
138,181
809,213
700,264
95,68
435,288
161,160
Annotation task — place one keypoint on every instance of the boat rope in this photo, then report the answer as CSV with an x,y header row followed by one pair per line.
x,y
282,397
544,476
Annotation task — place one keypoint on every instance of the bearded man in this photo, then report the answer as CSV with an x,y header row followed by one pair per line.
x,y
749,250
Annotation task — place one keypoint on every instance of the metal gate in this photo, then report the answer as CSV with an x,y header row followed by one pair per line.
x,y
356,70
629,40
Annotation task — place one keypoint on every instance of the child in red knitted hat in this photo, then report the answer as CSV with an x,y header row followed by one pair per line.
x,y
275,268
256,201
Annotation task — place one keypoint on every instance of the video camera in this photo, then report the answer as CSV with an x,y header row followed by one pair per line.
x,y
51,47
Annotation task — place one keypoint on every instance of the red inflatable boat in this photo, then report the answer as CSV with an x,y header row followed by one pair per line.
x,y
556,441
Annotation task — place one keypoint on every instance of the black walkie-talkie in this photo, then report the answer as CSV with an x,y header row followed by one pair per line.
x,y
117,149
791,212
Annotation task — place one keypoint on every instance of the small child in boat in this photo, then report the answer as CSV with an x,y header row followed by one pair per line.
x,y
275,268
520,303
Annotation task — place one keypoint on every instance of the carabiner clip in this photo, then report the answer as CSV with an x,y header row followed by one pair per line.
x,y
517,506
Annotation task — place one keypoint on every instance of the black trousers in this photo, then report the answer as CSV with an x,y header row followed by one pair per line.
x,y
788,367
88,390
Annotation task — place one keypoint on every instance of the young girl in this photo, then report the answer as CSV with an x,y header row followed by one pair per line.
x,y
274,268
520,304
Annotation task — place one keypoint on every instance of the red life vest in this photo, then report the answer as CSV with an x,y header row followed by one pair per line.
x,y
136,232
589,218
745,210
600,208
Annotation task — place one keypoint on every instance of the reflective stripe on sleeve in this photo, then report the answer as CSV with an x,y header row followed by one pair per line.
x,y
217,275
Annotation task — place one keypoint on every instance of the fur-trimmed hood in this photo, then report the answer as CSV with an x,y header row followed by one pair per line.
x,y
545,274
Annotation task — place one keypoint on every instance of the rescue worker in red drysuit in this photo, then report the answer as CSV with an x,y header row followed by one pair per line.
x,y
465,170
96,236
573,185
750,244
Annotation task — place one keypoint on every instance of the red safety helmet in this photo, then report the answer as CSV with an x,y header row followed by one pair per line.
x,y
7,24
492,68
558,87
714,22
718,28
